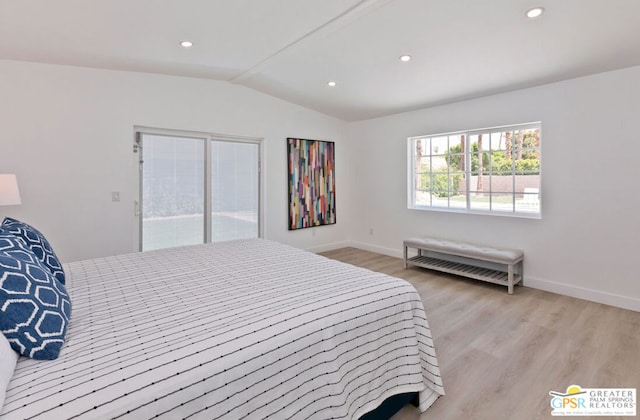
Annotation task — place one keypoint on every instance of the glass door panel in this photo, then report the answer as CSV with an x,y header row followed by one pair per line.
x,y
172,191
235,190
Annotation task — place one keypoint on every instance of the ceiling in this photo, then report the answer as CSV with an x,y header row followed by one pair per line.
x,y
291,48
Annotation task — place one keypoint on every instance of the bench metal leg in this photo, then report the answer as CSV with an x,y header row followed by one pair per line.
x,y
405,257
521,273
510,278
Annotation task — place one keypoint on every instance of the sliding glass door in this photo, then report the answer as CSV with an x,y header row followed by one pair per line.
x,y
197,189
234,190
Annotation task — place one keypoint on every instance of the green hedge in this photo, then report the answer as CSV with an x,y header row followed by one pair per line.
x,y
441,184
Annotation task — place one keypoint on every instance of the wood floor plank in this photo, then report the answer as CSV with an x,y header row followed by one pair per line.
x,y
501,354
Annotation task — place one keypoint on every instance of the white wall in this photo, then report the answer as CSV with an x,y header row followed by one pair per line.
x,y
588,241
67,133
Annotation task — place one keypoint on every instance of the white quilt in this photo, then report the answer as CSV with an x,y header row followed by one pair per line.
x,y
242,329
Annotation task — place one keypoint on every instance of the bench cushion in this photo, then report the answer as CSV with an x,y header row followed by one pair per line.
x,y
462,249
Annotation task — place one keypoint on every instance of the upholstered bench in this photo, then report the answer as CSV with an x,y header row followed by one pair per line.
x,y
507,265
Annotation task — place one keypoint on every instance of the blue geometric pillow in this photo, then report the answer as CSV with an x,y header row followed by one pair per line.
x,y
34,307
38,244
14,246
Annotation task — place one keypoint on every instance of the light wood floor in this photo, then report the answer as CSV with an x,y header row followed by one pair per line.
x,y
500,355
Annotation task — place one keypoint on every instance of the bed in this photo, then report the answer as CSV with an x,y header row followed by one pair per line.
x,y
240,329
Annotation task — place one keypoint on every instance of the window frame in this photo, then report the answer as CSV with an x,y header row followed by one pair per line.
x,y
467,172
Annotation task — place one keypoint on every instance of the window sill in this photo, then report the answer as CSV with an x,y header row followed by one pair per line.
x,y
519,215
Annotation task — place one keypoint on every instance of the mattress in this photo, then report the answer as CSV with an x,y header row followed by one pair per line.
x,y
239,329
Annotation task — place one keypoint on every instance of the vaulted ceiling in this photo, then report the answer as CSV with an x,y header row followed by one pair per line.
x,y
291,49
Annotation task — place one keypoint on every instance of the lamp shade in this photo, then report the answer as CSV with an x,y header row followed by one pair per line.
x,y
9,193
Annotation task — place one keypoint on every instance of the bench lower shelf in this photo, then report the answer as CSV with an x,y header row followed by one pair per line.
x,y
465,270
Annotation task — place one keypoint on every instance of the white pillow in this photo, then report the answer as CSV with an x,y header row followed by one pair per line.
x,y
8,359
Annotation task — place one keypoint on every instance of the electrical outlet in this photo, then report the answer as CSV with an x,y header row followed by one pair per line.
x,y
115,196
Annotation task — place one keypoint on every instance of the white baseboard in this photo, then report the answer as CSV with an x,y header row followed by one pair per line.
x,y
360,245
329,247
592,295
377,249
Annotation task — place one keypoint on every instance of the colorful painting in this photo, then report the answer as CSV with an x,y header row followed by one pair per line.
x,y
312,191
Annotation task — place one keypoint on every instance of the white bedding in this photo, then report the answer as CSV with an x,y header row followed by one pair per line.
x,y
237,329
8,359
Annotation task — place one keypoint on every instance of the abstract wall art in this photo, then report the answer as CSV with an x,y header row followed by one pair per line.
x,y
312,191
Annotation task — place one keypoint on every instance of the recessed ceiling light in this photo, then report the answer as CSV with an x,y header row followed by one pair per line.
x,y
331,83
405,58
535,12
186,44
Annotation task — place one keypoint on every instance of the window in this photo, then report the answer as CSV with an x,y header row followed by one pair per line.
x,y
490,171
196,188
